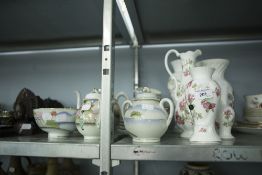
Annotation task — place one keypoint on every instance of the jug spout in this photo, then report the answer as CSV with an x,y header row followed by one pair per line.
x,y
198,52
77,99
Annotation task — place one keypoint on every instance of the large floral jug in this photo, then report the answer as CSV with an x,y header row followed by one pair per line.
x,y
181,79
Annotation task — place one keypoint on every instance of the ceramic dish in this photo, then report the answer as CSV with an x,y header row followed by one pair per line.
x,y
254,119
253,112
248,127
248,130
249,124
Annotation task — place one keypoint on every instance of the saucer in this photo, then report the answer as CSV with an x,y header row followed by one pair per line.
x,y
248,127
248,130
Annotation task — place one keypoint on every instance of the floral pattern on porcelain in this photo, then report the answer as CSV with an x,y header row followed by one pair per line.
x,y
208,104
224,125
57,122
203,97
228,117
256,103
53,119
89,113
181,83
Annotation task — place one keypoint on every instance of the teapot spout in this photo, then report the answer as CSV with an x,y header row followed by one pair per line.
x,y
77,99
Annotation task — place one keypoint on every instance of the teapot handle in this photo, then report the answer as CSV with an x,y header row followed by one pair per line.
x,y
121,94
167,67
124,109
171,112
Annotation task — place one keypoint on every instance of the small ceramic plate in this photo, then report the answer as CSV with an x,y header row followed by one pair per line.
x,y
247,123
254,119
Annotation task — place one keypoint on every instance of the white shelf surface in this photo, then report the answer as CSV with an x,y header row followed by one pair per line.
x,y
41,146
245,148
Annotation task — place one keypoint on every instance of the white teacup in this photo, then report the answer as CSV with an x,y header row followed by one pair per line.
x,y
254,101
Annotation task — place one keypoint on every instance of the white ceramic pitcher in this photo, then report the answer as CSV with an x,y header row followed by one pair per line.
x,y
182,114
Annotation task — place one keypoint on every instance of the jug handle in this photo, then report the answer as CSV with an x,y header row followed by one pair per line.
x,y
167,67
171,112
166,61
124,109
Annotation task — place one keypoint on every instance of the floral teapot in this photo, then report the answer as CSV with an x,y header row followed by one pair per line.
x,y
88,115
145,117
178,85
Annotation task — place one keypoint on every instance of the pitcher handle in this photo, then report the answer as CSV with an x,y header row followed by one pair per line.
x,y
167,67
166,61
171,112
124,109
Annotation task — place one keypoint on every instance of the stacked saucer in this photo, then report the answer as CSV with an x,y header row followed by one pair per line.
x,y
252,115
248,127
253,110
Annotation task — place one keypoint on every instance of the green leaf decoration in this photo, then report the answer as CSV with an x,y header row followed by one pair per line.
x,y
51,123
135,114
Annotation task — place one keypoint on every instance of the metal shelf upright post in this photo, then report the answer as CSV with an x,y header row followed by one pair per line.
x,y
106,87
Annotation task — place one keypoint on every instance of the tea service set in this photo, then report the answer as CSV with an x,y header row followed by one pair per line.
x,y
61,122
202,104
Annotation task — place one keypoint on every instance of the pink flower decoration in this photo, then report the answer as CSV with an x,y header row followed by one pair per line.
x,y
182,105
179,119
207,105
218,91
53,113
190,98
203,130
187,73
189,84
227,114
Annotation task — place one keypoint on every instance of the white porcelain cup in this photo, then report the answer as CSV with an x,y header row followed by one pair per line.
x,y
254,101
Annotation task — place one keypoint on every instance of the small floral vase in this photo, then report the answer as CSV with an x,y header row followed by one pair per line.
x,y
196,169
226,114
203,98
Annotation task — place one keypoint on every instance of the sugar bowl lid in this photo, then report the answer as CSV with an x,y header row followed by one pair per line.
x,y
94,94
147,93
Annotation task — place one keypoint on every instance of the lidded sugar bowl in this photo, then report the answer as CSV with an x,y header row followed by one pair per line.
x,y
145,117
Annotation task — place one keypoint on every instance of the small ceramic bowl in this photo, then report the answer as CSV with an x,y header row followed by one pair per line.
x,y
57,122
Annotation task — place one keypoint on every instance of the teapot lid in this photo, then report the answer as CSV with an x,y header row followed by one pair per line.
x,y
94,94
147,93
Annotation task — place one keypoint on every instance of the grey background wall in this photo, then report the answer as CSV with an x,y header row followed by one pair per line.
x,y
58,74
